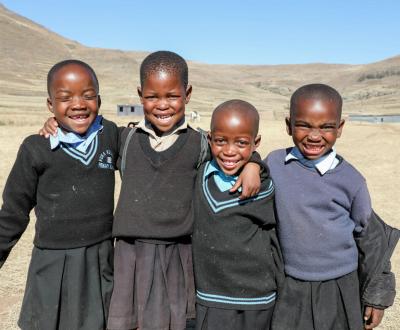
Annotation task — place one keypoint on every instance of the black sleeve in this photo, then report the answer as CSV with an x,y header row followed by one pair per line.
x,y
120,131
264,170
19,198
375,246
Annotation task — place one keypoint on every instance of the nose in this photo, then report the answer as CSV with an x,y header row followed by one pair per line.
x,y
229,149
163,104
78,102
314,134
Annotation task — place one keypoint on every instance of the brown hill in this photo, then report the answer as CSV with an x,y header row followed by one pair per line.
x,y
28,50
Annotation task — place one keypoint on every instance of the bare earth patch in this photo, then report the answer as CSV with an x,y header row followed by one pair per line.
x,y
372,149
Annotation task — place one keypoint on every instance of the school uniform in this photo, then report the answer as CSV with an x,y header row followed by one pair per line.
x,y
236,254
154,285
71,188
324,212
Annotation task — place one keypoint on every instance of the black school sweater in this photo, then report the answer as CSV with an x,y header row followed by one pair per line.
x,y
236,255
157,188
73,202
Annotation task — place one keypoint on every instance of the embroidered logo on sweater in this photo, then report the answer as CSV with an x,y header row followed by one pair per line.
x,y
106,160
84,157
218,205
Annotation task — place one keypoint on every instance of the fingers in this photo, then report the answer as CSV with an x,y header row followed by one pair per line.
x,y
373,317
236,186
49,128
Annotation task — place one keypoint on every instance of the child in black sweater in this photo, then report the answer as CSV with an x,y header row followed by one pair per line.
x,y
236,253
158,159
69,181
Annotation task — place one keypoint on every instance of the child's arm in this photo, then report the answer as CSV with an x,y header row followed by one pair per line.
x,y
377,283
19,197
49,127
250,177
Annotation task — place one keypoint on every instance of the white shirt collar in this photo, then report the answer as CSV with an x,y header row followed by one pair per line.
x,y
322,165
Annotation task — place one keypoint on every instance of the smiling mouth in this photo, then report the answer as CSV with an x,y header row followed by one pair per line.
x,y
79,117
313,149
164,118
229,163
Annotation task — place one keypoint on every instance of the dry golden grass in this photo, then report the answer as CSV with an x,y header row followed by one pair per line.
x,y
373,149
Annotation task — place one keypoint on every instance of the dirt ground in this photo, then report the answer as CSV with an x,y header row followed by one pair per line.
x,y
371,148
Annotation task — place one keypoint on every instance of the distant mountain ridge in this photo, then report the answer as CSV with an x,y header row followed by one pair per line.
x,y
28,50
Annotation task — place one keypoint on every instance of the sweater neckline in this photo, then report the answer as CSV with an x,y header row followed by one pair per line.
x,y
158,157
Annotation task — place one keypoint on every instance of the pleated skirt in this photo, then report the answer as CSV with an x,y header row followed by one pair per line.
x,y
154,286
321,305
68,289
209,318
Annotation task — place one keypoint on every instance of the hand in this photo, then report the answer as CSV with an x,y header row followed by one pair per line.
x,y
372,317
49,128
249,180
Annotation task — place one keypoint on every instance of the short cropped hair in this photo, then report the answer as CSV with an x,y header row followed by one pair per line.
x,y
241,107
164,61
317,92
56,67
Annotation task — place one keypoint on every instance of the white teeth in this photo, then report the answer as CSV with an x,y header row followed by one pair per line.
x,y
229,163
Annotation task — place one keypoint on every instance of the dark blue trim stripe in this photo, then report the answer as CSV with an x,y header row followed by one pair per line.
x,y
236,300
84,158
217,206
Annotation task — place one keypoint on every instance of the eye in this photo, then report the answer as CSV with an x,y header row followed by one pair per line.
x,y
89,97
219,141
328,128
302,125
242,143
173,96
150,97
64,98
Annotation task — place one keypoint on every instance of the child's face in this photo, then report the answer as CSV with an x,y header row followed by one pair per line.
x,y
164,98
315,127
232,141
74,98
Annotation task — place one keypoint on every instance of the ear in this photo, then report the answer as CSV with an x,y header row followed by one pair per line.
x,y
139,91
209,137
50,105
188,94
257,141
340,128
288,126
98,101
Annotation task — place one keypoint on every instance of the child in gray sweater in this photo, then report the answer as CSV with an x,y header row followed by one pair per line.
x,y
325,220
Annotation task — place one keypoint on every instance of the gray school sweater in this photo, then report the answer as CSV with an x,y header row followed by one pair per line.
x,y
318,217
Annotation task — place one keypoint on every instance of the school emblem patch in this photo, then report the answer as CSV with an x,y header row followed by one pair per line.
x,y
106,160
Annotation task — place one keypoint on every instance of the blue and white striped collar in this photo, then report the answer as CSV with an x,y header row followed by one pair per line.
x,y
224,182
322,164
80,143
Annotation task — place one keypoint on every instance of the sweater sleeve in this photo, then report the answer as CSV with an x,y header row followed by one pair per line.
x,y
361,208
375,246
19,197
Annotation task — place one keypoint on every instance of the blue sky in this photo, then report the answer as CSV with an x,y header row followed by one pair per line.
x,y
231,32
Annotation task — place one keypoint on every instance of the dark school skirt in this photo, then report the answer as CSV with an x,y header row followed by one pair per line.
x,y
210,318
68,289
326,305
153,286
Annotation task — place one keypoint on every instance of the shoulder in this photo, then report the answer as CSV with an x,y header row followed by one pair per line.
x,y
35,141
278,155
198,132
109,125
349,170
